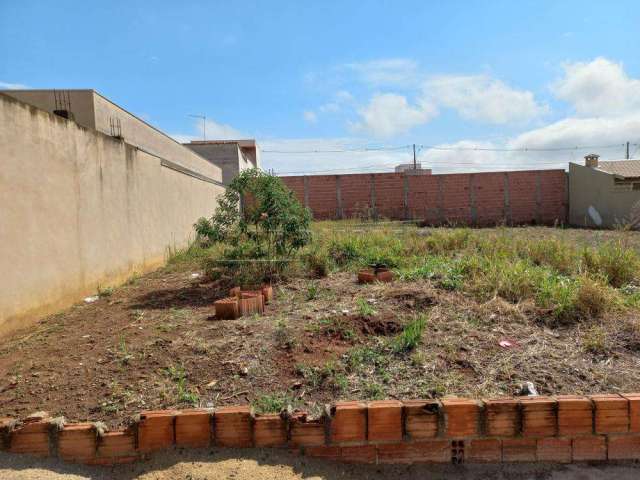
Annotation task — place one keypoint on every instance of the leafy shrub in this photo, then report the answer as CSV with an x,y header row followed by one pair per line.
x,y
258,218
258,209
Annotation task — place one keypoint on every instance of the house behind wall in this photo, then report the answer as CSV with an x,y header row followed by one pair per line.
x,y
82,209
232,156
600,197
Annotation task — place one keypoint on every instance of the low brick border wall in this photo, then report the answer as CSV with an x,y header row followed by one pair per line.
x,y
560,429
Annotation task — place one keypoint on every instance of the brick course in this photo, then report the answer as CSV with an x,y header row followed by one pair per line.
x,y
529,429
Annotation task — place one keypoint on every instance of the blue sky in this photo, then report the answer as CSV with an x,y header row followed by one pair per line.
x,y
345,75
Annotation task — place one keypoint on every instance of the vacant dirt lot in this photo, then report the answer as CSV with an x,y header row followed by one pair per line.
x,y
155,343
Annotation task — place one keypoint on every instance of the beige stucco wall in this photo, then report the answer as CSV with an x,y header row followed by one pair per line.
x,y
90,109
81,209
589,187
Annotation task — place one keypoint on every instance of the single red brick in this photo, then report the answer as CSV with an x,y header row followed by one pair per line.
x,y
326,452
31,438
538,416
611,413
434,451
359,454
624,447
365,276
483,451
501,415
155,430
117,446
384,421
421,418
349,422
591,448
384,276
461,417
554,450
251,303
227,308
77,442
269,431
575,415
634,411
193,428
519,450
307,433
233,427
267,292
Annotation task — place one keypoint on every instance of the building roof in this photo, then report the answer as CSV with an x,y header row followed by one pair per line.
x,y
622,168
246,143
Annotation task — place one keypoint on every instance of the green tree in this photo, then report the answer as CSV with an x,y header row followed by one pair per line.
x,y
259,216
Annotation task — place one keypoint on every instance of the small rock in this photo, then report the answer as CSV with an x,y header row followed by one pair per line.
x,y
91,299
345,312
244,371
195,275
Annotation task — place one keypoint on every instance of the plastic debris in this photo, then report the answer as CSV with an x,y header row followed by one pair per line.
x,y
506,343
528,389
91,299
195,275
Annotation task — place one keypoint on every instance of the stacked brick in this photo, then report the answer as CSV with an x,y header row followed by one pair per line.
x,y
481,199
560,429
243,302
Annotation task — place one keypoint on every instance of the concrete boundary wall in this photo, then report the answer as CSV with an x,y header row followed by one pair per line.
x,y
80,209
479,199
561,429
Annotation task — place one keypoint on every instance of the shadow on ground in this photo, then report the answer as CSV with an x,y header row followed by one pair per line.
x,y
191,296
281,465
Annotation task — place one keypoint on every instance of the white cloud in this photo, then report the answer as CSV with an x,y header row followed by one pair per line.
x,y
482,98
388,71
389,114
310,116
591,132
213,130
340,99
13,86
600,87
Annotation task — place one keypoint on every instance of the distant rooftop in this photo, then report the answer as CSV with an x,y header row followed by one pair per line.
x,y
622,168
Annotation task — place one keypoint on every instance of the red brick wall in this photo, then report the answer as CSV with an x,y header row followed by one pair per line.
x,y
483,199
557,429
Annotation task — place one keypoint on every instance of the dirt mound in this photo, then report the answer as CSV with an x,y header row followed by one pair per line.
x,y
413,298
383,324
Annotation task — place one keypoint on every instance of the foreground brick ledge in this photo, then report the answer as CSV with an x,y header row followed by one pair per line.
x,y
554,429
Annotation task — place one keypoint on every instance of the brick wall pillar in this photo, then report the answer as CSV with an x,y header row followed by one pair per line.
x,y
374,210
472,199
338,198
507,200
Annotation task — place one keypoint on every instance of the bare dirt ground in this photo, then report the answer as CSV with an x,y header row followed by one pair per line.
x,y
279,465
155,343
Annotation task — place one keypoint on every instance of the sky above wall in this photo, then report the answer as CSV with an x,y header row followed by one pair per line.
x,y
348,86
